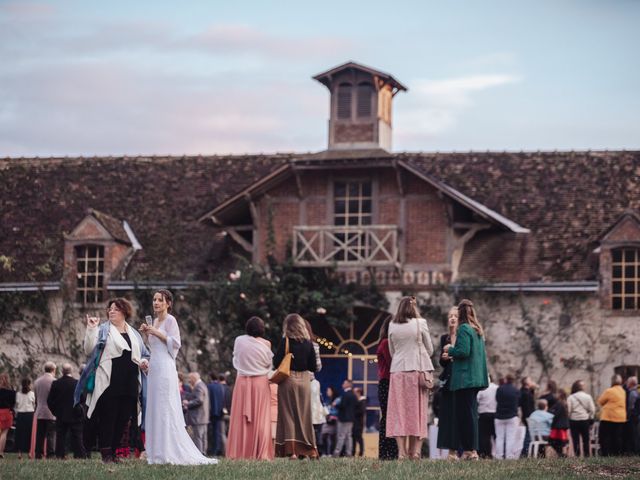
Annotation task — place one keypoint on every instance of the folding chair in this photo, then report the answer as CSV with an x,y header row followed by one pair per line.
x,y
536,439
594,439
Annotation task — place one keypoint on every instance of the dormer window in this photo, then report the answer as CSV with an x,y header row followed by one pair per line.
x,y
625,278
344,101
90,274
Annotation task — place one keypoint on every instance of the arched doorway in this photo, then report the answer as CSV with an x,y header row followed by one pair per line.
x,y
350,352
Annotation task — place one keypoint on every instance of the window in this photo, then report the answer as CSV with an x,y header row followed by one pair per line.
x,y
352,208
344,101
352,203
625,279
90,274
365,95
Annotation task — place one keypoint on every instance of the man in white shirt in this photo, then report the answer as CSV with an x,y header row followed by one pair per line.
x,y
486,427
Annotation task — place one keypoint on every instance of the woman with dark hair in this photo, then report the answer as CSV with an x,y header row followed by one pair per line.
x,y
295,436
250,422
25,406
387,446
551,394
7,402
468,376
411,348
117,355
559,436
581,410
446,418
167,440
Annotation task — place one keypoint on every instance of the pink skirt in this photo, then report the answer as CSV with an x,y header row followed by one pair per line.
x,y
407,406
250,421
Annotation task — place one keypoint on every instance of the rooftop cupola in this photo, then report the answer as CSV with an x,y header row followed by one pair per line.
x,y
361,100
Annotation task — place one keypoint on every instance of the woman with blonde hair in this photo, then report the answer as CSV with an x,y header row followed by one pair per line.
x,y
446,419
294,432
411,347
469,375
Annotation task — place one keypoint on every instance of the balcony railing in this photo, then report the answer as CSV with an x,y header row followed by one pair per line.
x,y
365,246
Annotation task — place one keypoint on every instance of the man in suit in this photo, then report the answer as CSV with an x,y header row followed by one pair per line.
x,y
346,406
360,420
197,411
46,421
68,417
216,416
226,409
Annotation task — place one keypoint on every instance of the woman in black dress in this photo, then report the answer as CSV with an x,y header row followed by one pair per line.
x,y
446,420
387,446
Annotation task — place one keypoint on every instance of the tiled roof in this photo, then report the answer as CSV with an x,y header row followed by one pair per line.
x,y
161,198
566,199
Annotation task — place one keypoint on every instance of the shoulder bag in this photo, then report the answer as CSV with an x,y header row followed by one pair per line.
x,y
425,379
284,369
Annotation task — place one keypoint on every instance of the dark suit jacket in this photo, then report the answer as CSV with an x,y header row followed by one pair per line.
x,y
347,407
60,400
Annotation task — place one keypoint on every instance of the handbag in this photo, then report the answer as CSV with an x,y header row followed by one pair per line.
x,y
425,379
284,369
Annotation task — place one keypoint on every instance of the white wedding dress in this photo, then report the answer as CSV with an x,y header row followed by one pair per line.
x,y
167,440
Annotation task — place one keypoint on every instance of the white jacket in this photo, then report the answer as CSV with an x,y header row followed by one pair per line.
x,y
410,351
114,347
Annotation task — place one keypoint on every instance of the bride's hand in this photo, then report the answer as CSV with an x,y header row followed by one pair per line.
x,y
144,365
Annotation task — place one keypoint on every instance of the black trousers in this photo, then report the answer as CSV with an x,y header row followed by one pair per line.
x,y
113,413
46,429
580,430
358,440
611,435
467,418
75,428
486,431
631,437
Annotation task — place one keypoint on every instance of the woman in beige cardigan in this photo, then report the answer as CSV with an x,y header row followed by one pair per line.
x,y
411,348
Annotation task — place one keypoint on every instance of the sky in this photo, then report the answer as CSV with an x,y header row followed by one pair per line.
x,y
85,77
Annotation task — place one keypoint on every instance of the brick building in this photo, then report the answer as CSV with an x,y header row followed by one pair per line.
x,y
546,243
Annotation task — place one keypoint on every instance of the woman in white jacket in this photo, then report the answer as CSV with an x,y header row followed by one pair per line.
x,y
411,348
114,399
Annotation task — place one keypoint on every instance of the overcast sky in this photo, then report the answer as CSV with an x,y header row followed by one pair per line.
x,y
81,77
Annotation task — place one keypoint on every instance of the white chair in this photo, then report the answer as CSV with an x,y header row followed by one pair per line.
x,y
594,439
536,439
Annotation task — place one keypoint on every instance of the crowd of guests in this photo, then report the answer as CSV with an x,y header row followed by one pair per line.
x,y
276,408
552,416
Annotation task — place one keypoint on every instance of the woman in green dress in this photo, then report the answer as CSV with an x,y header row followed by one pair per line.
x,y
468,376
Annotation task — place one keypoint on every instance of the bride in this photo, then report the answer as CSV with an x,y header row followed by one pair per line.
x,y
167,440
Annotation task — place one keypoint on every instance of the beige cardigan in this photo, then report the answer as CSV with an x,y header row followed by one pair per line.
x,y
406,353
114,347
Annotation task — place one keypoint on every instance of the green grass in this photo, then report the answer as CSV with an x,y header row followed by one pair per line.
x,y
334,469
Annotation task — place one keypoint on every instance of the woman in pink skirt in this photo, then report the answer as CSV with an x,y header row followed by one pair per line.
x,y
250,422
411,348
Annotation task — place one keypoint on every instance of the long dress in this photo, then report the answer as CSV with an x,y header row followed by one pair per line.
x,y
447,434
167,440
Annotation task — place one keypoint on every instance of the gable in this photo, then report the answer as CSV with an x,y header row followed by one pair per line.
x,y
88,230
626,230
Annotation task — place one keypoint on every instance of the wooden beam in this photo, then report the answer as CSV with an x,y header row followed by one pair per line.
x,y
398,178
248,247
296,174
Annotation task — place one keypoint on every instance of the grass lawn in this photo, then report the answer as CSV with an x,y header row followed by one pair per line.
x,y
336,469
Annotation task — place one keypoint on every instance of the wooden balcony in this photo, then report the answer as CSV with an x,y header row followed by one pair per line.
x,y
362,246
